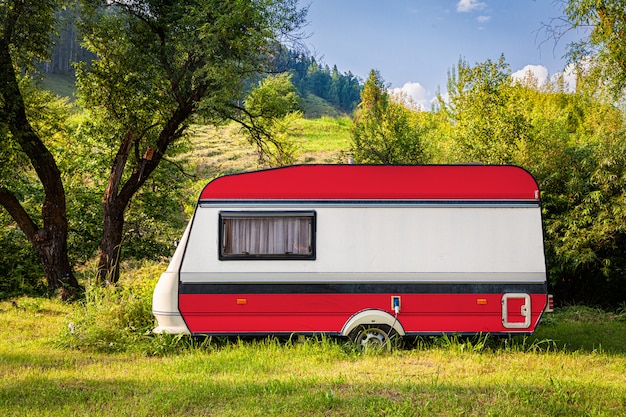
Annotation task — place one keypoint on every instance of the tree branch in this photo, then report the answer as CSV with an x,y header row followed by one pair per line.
x,y
17,212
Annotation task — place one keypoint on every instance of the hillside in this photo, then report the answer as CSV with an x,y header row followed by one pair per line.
x,y
224,150
312,106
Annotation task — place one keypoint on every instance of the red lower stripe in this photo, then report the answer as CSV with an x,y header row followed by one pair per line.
x,y
328,313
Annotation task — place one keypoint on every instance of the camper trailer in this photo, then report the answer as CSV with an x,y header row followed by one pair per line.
x,y
362,251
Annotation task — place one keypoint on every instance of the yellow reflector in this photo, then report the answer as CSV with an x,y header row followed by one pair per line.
x,y
481,301
242,301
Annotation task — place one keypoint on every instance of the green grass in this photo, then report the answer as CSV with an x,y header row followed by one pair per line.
x,y
108,364
315,107
314,377
322,141
225,150
585,329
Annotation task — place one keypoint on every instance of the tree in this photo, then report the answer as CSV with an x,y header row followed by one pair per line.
x,y
25,28
489,125
159,63
573,145
583,198
605,47
270,109
384,132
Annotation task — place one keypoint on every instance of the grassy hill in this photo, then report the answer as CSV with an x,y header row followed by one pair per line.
x,y
315,107
225,150
215,151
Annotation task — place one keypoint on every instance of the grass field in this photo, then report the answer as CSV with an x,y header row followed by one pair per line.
x,y
580,371
575,365
224,150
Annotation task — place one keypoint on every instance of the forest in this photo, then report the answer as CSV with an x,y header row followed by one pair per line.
x,y
107,177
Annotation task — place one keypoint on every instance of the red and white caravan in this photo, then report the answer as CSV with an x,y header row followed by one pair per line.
x,y
353,249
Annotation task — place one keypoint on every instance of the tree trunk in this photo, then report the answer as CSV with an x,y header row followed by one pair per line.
x,y
50,240
111,243
113,206
53,255
118,196
50,243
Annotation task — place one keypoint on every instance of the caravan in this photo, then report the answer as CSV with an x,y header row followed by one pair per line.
x,y
360,251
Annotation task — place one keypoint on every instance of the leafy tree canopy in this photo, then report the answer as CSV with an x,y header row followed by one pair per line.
x,y
271,109
385,132
604,50
158,64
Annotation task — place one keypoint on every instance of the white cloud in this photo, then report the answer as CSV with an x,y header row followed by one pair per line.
x,y
483,19
466,6
538,76
530,75
413,95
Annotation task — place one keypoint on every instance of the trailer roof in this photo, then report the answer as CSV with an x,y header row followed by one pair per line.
x,y
377,182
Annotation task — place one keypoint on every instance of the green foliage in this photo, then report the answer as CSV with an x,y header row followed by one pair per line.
x,y
272,109
20,269
574,146
385,132
489,122
580,172
114,317
26,27
603,52
274,98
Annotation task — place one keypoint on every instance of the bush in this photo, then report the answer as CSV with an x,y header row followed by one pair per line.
x,y
20,269
115,317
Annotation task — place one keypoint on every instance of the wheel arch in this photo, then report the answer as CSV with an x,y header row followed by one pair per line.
x,y
372,317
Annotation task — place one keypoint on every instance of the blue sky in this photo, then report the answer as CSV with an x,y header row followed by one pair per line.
x,y
414,43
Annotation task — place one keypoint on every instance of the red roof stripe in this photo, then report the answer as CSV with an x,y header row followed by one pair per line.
x,y
376,182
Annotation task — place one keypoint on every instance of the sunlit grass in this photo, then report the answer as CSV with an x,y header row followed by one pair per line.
x,y
225,150
313,377
109,364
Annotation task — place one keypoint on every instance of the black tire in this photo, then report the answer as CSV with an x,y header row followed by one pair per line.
x,y
373,337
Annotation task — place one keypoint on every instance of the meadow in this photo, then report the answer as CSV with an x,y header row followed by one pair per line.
x,y
575,365
98,357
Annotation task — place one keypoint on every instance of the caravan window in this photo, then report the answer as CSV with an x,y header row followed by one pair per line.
x,y
267,235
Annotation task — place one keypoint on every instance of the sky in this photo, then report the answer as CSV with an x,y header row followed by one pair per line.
x,y
414,43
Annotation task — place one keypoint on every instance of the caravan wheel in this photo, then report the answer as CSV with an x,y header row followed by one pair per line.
x,y
372,337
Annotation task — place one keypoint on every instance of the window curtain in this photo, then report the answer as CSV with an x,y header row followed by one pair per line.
x,y
267,236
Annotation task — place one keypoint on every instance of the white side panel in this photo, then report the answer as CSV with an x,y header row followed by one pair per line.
x,y
165,305
165,295
391,243
177,258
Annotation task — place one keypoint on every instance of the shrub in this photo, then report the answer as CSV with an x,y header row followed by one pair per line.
x,y
114,317
20,269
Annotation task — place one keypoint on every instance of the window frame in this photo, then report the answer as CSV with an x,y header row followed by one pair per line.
x,y
224,215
